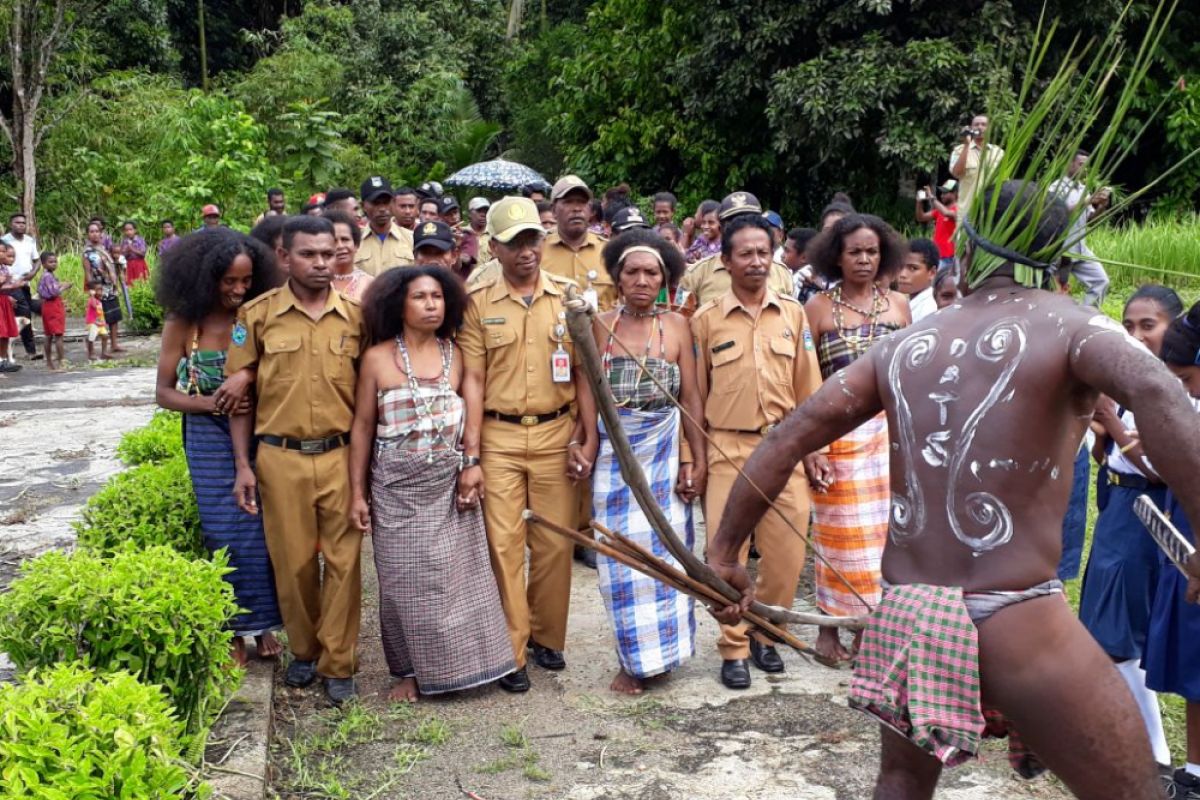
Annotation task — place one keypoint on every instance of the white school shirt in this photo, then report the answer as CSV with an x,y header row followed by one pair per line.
x,y
26,251
922,304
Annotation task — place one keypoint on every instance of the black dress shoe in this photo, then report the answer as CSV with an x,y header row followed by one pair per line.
x,y
300,673
765,657
735,674
339,690
546,658
515,682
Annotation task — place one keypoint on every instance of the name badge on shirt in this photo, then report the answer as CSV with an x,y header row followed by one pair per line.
x,y
560,365
495,321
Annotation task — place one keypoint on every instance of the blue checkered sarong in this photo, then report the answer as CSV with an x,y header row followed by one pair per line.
x,y
655,625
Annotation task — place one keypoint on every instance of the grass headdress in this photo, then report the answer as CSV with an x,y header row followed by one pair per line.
x,y
1041,130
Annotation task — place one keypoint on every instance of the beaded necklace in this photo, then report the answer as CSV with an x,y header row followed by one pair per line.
x,y
193,385
420,403
855,341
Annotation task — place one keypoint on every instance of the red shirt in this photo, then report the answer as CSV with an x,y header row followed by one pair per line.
x,y
943,232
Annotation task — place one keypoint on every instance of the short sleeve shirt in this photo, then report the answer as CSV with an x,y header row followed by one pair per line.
x,y
376,256
708,279
583,266
969,181
26,253
943,232
307,368
756,370
512,343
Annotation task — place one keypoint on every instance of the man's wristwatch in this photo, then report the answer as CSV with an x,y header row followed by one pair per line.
x,y
469,461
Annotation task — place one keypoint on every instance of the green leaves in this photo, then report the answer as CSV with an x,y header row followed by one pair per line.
x,y
68,733
153,613
151,504
158,441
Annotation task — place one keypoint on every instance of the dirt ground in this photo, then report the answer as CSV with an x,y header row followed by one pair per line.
x,y
788,736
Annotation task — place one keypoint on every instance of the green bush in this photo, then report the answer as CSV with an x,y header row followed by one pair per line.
x,y
153,612
147,314
157,441
151,504
69,733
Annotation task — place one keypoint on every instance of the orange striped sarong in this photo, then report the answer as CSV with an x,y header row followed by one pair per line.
x,y
851,520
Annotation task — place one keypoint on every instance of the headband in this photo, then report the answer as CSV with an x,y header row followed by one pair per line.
x,y
1002,252
641,248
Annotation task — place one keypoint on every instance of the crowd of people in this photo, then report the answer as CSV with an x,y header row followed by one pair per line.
x,y
379,365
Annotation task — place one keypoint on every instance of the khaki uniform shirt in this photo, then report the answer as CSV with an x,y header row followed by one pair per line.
x,y
583,266
512,343
753,372
485,271
307,368
970,179
708,279
396,250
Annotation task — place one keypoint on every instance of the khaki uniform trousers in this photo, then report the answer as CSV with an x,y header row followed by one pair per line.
x,y
780,549
306,508
525,467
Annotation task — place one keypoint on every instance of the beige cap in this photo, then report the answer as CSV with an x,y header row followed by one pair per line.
x,y
567,184
509,216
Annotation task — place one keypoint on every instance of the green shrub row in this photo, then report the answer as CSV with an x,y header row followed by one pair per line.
x,y
152,612
161,439
69,732
122,644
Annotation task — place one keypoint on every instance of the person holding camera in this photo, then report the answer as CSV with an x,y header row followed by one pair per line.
x,y
970,158
942,211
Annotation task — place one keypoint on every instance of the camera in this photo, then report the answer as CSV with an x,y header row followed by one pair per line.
x,y
974,133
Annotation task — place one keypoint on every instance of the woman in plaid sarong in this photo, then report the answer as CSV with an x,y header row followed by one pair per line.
x,y
440,616
649,362
852,497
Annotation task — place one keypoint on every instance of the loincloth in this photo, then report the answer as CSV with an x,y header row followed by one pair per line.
x,y
917,671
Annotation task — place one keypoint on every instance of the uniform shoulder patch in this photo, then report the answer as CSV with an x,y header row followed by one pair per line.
x,y
262,297
238,336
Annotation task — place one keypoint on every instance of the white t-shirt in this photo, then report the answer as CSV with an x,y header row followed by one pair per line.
x,y
922,304
26,249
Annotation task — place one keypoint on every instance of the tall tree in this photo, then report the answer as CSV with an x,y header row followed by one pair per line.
x,y
39,32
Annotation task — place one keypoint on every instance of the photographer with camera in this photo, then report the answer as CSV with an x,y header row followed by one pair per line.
x,y
940,208
971,157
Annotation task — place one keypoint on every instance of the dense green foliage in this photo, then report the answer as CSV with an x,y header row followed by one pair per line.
x,y
792,100
146,312
70,733
151,504
150,611
159,440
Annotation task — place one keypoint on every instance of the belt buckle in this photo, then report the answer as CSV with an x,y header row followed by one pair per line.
x,y
312,445
529,420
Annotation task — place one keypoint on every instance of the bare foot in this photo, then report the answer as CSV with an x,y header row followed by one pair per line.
x,y
106,356
119,350
403,691
830,650
624,683
268,646
239,651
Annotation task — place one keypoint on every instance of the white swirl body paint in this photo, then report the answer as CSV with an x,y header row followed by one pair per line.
x,y
908,510
996,344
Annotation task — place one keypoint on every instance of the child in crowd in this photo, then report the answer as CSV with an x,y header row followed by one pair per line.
x,y
97,328
945,288
54,312
8,320
916,277
670,231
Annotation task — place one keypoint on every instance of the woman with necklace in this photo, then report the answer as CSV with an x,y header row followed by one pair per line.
x,y
650,365
347,279
201,283
851,496
440,616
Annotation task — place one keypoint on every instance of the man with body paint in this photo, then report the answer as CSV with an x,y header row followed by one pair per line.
x,y
986,404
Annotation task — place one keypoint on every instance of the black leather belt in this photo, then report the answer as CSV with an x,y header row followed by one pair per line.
x,y
528,420
309,446
1131,481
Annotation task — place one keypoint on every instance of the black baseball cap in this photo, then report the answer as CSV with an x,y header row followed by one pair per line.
x,y
447,203
627,218
375,187
739,203
433,234
430,189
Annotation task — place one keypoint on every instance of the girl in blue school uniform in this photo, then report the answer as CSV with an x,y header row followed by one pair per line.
x,y
1172,658
1123,570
